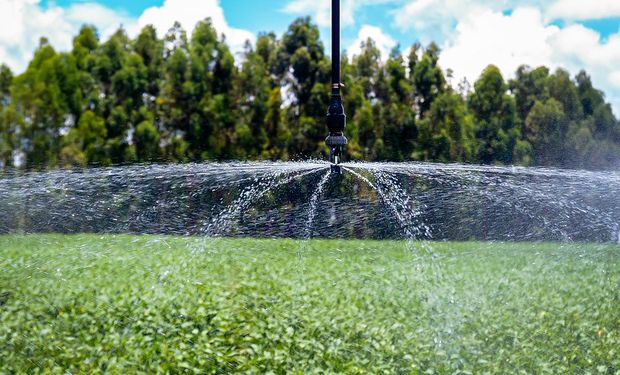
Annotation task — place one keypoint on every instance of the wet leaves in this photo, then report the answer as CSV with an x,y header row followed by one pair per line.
x,y
4,297
127,304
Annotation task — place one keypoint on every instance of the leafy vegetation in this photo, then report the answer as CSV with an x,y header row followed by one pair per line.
x,y
127,304
186,99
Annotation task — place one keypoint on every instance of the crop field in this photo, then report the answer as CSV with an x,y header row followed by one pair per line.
x,y
125,304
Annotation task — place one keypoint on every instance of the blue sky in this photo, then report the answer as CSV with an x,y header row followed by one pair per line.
x,y
573,34
271,15
262,15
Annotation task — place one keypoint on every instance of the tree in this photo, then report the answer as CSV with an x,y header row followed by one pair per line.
x,y
399,117
147,141
368,64
428,78
593,101
43,99
305,74
528,87
126,100
84,45
365,129
590,97
447,132
121,80
212,68
150,49
542,128
85,144
6,138
562,89
175,103
252,92
494,117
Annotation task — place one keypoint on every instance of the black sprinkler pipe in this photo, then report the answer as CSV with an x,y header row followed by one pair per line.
x,y
336,118
336,47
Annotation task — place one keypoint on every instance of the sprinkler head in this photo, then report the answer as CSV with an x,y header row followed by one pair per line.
x,y
336,121
335,158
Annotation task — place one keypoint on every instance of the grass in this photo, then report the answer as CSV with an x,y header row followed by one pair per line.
x,y
130,304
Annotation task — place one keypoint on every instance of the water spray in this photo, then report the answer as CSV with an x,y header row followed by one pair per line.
x,y
336,118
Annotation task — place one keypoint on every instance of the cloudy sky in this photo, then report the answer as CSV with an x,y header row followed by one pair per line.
x,y
574,34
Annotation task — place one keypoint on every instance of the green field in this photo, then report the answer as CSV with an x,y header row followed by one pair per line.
x,y
127,304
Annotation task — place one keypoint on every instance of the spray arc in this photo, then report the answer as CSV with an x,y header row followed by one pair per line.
x,y
336,118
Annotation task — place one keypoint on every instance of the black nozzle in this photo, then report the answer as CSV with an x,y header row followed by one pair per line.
x,y
336,121
335,158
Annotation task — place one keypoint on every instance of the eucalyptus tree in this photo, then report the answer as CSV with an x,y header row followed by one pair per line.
x,y
6,134
541,125
276,131
253,89
428,78
212,70
399,132
42,101
363,104
177,98
175,102
447,131
305,71
494,116
529,86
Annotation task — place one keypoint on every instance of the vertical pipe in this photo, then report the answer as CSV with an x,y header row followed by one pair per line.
x,y
336,118
335,47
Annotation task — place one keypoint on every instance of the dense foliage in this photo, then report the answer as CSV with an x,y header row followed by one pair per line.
x,y
184,98
126,304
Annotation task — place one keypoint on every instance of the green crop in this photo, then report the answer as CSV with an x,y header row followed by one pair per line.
x,y
148,304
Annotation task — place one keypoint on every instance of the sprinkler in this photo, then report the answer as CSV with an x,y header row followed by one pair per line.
x,y
336,119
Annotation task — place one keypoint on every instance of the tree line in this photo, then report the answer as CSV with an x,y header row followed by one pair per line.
x,y
181,99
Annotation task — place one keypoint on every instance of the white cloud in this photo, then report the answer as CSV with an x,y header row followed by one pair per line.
x,y
487,37
190,12
107,20
384,42
584,10
434,20
321,9
24,22
614,78
578,46
523,37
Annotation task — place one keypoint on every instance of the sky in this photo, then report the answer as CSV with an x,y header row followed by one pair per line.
x,y
572,34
